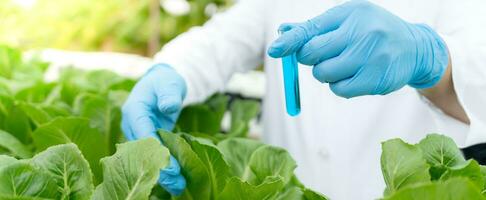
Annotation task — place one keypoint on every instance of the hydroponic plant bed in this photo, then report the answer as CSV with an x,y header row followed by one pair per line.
x,y
62,140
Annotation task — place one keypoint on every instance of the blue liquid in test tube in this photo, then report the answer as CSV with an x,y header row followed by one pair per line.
x,y
291,84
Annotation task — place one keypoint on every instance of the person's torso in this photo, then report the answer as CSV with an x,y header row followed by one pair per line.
x,y
336,141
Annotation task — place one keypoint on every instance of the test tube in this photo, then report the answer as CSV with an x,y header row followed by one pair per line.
x,y
291,84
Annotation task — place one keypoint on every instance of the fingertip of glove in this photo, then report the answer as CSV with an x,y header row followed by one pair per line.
x,y
173,168
169,109
342,89
175,185
287,43
169,104
286,27
274,51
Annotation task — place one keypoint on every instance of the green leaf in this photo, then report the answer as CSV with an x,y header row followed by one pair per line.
x,y
218,103
123,85
35,113
198,118
6,160
242,111
103,116
313,195
217,167
14,146
103,80
237,189
9,59
14,120
59,109
237,152
205,117
68,92
192,167
296,193
37,93
4,89
483,172
18,125
96,81
33,68
253,161
440,152
215,138
470,169
132,171
15,85
117,97
402,164
268,161
159,193
294,181
75,130
239,129
22,180
290,193
295,190
69,169
452,189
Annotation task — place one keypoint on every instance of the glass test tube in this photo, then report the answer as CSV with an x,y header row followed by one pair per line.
x,y
291,84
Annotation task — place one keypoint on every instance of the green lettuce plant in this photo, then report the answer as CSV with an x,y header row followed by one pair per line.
x,y
62,172
235,168
62,140
433,169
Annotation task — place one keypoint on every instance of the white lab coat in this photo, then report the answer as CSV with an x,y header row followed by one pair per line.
x,y
336,141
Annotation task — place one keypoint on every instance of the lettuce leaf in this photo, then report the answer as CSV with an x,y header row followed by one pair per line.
x,y
132,171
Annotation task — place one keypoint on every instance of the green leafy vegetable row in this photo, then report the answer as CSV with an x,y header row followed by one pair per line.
x,y
61,172
433,169
235,168
60,140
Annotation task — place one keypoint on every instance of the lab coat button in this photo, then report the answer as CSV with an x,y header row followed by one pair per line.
x,y
323,153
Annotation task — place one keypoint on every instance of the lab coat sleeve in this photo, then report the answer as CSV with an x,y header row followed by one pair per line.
x,y
462,26
207,56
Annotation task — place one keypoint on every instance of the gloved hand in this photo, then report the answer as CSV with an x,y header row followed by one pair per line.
x,y
155,103
362,49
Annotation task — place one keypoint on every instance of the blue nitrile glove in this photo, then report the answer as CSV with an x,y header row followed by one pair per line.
x,y
155,103
362,49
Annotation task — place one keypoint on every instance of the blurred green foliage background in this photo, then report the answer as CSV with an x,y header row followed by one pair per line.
x,y
132,26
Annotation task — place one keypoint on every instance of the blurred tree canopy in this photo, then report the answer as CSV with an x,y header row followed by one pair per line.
x,y
99,25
